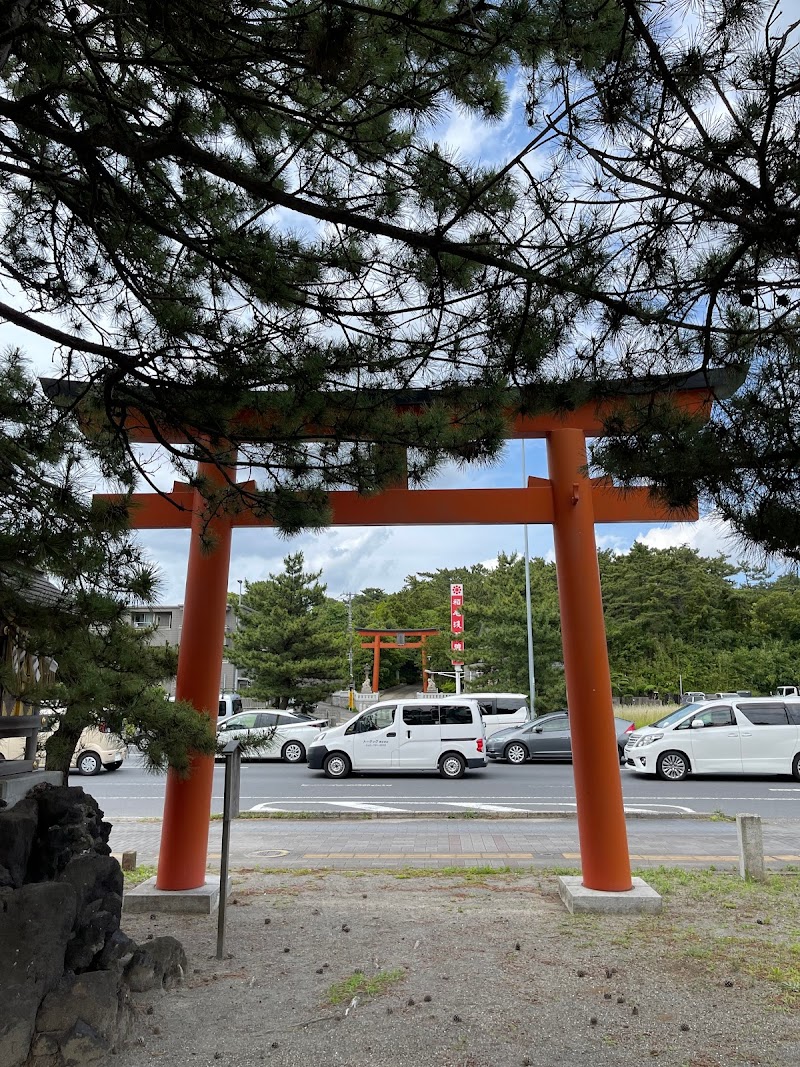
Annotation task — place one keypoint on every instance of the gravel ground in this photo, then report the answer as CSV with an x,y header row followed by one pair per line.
x,y
478,970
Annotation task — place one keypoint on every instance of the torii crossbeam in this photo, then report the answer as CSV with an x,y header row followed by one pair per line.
x,y
568,500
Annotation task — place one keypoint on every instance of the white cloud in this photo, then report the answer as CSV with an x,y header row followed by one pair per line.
x,y
709,536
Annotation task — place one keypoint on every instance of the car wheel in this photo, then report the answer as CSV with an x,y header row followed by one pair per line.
x,y
89,763
337,765
293,752
621,749
516,753
452,765
796,767
672,766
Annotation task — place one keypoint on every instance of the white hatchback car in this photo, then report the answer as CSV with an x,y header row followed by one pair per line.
x,y
738,735
97,748
292,734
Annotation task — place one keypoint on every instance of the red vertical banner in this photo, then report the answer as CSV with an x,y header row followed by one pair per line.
x,y
457,620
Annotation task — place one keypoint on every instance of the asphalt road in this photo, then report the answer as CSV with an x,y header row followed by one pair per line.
x,y
500,788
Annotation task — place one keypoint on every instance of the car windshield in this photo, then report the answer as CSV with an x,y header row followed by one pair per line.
x,y
676,716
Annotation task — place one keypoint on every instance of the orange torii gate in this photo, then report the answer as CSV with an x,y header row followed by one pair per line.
x,y
396,639
569,500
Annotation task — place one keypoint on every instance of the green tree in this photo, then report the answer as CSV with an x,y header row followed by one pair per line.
x,y
670,614
49,526
685,150
251,200
501,645
154,162
285,640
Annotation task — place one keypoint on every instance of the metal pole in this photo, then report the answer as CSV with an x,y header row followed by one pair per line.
x,y
531,676
223,880
238,616
351,696
230,810
458,680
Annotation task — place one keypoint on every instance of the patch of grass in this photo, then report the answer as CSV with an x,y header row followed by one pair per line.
x,y
138,875
468,814
294,815
788,978
358,984
718,815
732,891
317,872
473,875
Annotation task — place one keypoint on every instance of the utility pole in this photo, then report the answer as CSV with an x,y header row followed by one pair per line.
x,y
351,703
238,614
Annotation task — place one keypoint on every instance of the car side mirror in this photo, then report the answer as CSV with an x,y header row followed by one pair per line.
x,y
537,729
697,724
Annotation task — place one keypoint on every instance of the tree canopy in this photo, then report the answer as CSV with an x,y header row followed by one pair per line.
x,y
212,205
670,614
107,671
285,641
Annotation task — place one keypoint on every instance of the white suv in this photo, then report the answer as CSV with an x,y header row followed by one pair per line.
x,y
738,735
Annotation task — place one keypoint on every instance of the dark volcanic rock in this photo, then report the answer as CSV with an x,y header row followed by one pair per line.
x,y
37,923
70,824
98,882
159,963
90,998
66,968
117,949
17,834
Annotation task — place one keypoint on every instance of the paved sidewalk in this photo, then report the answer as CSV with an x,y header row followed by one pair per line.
x,y
434,842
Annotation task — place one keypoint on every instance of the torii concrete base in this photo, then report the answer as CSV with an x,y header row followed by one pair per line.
x,y
641,899
204,900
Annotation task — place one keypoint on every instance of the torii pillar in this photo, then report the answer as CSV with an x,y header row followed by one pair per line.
x,y
187,803
605,861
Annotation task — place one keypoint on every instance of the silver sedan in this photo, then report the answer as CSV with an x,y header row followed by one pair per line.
x,y
545,738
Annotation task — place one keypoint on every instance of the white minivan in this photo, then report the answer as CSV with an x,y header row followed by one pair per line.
x,y
499,710
738,735
404,735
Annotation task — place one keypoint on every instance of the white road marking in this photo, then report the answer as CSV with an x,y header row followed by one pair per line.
x,y
265,807
484,807
668,807
346,785
356,805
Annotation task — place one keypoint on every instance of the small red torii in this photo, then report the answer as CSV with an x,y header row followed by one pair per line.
x,y
395,639
568,500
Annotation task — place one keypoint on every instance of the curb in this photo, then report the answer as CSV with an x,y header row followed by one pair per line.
x,y
465,816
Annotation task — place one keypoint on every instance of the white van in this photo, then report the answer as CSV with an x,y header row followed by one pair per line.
x,y
404,735
738,735
229,704
499,710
